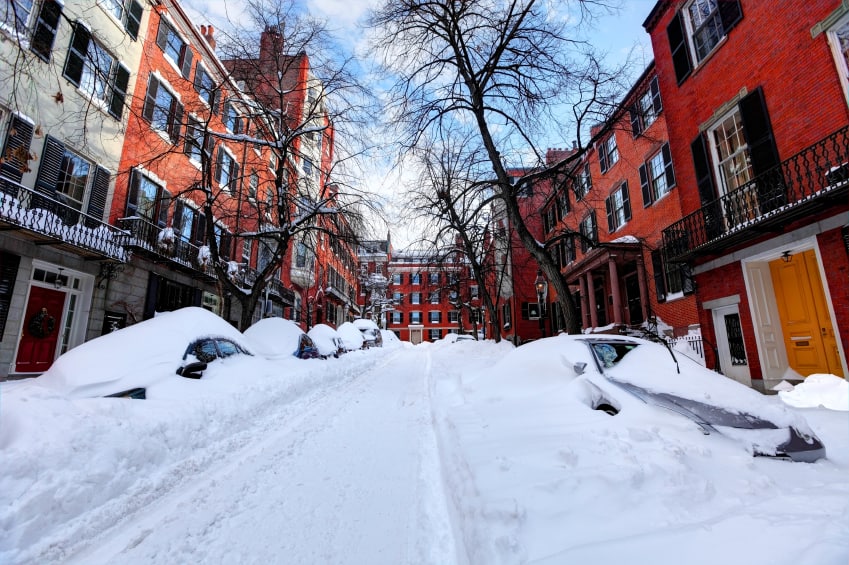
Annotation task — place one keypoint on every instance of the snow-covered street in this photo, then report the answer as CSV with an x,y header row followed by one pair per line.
x,y
447,454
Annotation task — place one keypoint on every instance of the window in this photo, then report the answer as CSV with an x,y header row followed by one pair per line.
x,y
434,297
16,15
452,296
453,316
397,317
189,224
589,231
227,170
246,250
608,153
415,317
583,182
732,152
416,278
301,255
434,317
231,119
91,69
698,29
224,239
193,146
549,218
434,335
205,87
72,178
473,291
657,176
433,278
162,109
475,316
672,280
506,316
838,36
530,311
415,298
618,206
175,49
45,29
562,204
129,13
396,278
253,185
397,297
646,109
147,199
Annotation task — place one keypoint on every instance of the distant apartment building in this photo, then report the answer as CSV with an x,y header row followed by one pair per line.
x,y
755,96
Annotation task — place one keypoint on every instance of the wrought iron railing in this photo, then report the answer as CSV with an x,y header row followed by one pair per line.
x,y
142,234
47,215
817,171
248,276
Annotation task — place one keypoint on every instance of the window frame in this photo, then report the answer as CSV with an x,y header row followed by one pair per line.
x,y
107,88
179,55
649,175
166,121
618,208
608,152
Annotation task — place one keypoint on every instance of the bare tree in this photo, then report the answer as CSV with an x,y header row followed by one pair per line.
x,y
507,71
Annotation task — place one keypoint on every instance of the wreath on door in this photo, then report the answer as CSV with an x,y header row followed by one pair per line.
x,y
41,324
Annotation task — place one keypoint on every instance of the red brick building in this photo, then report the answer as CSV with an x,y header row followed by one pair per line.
x,y
618,199
755,96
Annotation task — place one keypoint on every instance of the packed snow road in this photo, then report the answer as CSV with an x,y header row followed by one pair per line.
x,y
345,476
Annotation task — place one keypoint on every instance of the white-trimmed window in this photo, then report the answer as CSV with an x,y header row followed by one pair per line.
x,y
453,316
162,108
731,152
608,153
128,12
94,71
227,170
584,182
247,246
205,87
434,297
473,291
589,231
704,26
396,278
253,185
416,278
697,30
19,18
231,119
74,175
434,335
434,317
16,15
657,176
415,298
618,206
415,317
397,317
646,109
838,37
147,199
433,278
174,48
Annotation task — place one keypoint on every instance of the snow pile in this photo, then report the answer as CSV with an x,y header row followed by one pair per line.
x,y
827,391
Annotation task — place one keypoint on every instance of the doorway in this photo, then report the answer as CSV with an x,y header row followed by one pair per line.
x,y
731,347
809,336
41,328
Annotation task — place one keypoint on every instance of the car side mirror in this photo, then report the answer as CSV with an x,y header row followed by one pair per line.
x,y
579,368
192,370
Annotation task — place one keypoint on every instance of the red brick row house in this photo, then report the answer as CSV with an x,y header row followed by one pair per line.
x,y
755,96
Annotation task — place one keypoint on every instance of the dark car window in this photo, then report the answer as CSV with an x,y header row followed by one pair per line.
x,y
228,348
204,350
610,353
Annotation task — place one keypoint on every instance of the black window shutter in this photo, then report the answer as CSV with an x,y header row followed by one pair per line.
x,y
657,104
611,221
659,276
219,164
8,274
588,177
134,16
594,236
198,82
758,132
162,34
687,284
150,97
45,29
234,177
667,165
18,139
200,228
97,198
191,135
216,101
51,164
602,156
119,91
177,217
730,12
626,201
133,193
636,123
164,203
176,120
678,46
76,54
224,246
704,174
186,61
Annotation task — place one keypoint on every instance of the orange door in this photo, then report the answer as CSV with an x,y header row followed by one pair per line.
x,y
805,321
41,329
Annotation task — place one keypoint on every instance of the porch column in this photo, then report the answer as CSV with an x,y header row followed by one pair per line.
x,y
591,296
585,305
644,291
614,289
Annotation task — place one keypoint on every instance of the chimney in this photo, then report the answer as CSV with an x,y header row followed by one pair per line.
x,y
206,32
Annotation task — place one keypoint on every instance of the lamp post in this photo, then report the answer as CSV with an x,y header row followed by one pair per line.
x,y
541,286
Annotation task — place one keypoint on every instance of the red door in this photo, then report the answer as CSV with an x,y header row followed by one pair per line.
x,y
41,329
